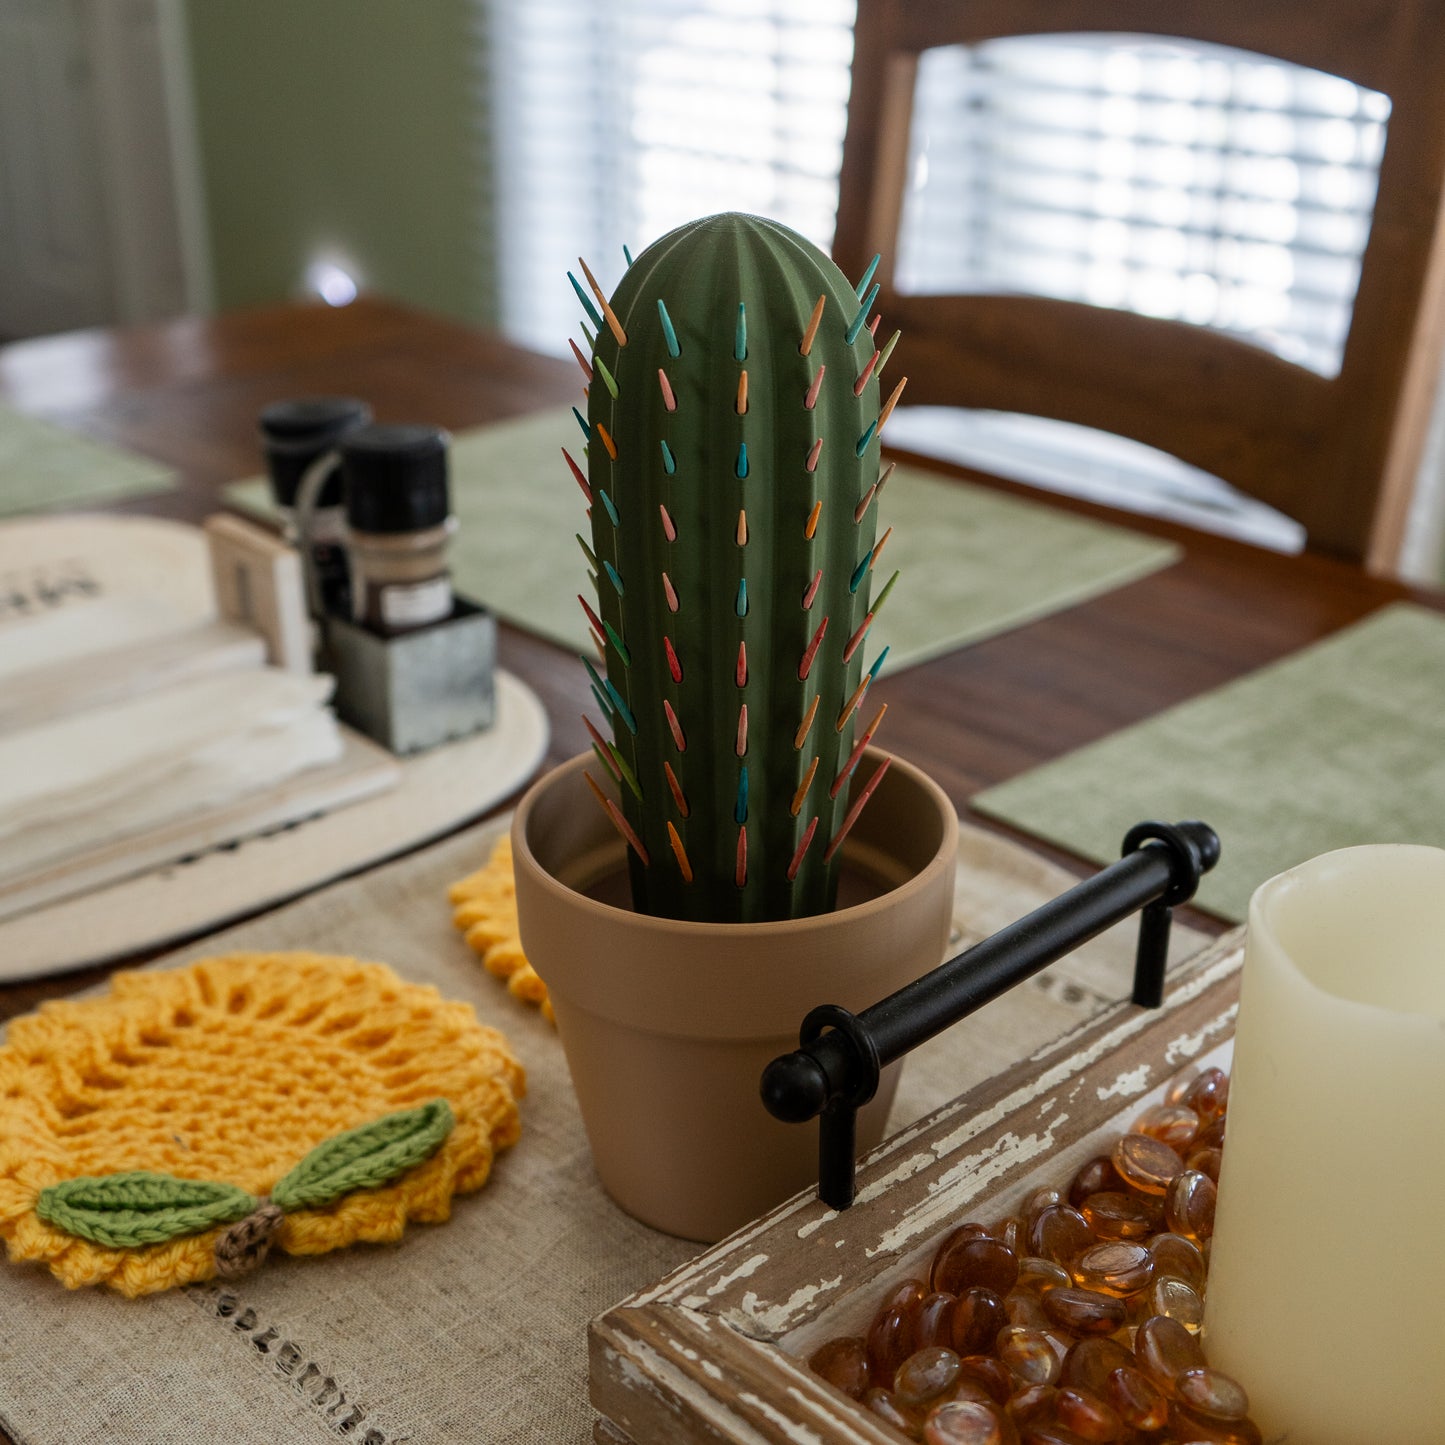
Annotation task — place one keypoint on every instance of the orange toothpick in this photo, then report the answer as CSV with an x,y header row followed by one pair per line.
x,y
811,525
814,321
608,314
853,703
742,533
742,402
806,726
606,439
890,404
679,852
797,804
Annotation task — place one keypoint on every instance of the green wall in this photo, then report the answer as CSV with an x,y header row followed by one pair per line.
x,y
345,125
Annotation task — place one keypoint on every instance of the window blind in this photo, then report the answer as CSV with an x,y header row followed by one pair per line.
x,y
612,124
1172,179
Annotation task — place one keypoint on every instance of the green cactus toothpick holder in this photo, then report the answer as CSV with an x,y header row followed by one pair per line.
x,y
732,473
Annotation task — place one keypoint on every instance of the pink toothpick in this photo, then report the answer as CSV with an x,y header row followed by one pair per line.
x,y
855,810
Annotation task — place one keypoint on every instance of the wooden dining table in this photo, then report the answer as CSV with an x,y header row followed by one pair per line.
x,y
188,392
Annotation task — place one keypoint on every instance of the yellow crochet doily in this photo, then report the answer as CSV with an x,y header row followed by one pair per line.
x,y
232,1070
485,910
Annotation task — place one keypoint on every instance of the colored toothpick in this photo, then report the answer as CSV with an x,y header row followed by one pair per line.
x,y
867,276
810,400
669,336
855,810
846,771
814,321
669,593
674,727
581,360
607,441
679,852
587,306
741,745
678,796
851,335
613,324
618,821
740,673
673,665
811,591
668,529
741,406
796,806
668,399
805,727
865,374
811,525
805,664
578,476
802,848
891,403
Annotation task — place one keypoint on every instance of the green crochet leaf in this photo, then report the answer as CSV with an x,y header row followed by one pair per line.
x,y
123,1211
365,1158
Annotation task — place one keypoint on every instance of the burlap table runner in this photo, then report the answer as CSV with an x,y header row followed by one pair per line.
x,y
475,1330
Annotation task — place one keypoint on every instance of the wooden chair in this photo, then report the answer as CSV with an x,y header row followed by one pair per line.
x,y
1338,454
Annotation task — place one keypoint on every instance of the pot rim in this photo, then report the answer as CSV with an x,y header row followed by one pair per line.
x,y
680,928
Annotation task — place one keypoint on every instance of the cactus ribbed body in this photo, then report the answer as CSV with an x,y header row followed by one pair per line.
x,y
714,510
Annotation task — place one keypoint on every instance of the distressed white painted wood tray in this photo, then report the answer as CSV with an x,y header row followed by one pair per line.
x,y
71,564
716,1351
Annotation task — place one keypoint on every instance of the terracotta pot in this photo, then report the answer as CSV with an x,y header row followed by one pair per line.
x,y
667,1025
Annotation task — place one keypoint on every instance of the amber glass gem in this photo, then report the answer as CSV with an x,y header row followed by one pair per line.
x,y
1117,1267
1174,1255
1038,1201
968,1262
1189,1205
1147,1164
1212,1393
1117,1215
1084,1311
1209,1095
1024,1307
978,1316
1060,1233
1164,1350
892,1338
883,1404
1095,1177
1206,1160
935,1320
1040,1274
1176,1300
1090,1362
1088,1415
1172,1124
843,1363
969,1422
1033,1402
1191,1429
1013,1233
1029,1355
925,1375
1140,1403
992,1374
1180,1086
1211,1136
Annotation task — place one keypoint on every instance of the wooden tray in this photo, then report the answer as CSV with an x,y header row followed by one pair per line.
x,y
715,1352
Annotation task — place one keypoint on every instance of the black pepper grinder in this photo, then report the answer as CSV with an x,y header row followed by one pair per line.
x,y
299,438
398,525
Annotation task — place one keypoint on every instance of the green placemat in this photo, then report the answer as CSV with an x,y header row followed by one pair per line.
x,y
1340,744
43,467
974,562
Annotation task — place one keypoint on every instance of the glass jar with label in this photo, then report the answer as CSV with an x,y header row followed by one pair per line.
x,y
299,439
398,525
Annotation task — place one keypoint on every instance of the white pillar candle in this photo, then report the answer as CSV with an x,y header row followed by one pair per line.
x,y
1327,1277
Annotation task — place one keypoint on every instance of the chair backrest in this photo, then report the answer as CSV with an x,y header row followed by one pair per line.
x,y
1338,454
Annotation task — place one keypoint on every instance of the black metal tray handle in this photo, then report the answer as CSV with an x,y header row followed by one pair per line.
x,y
835,1070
